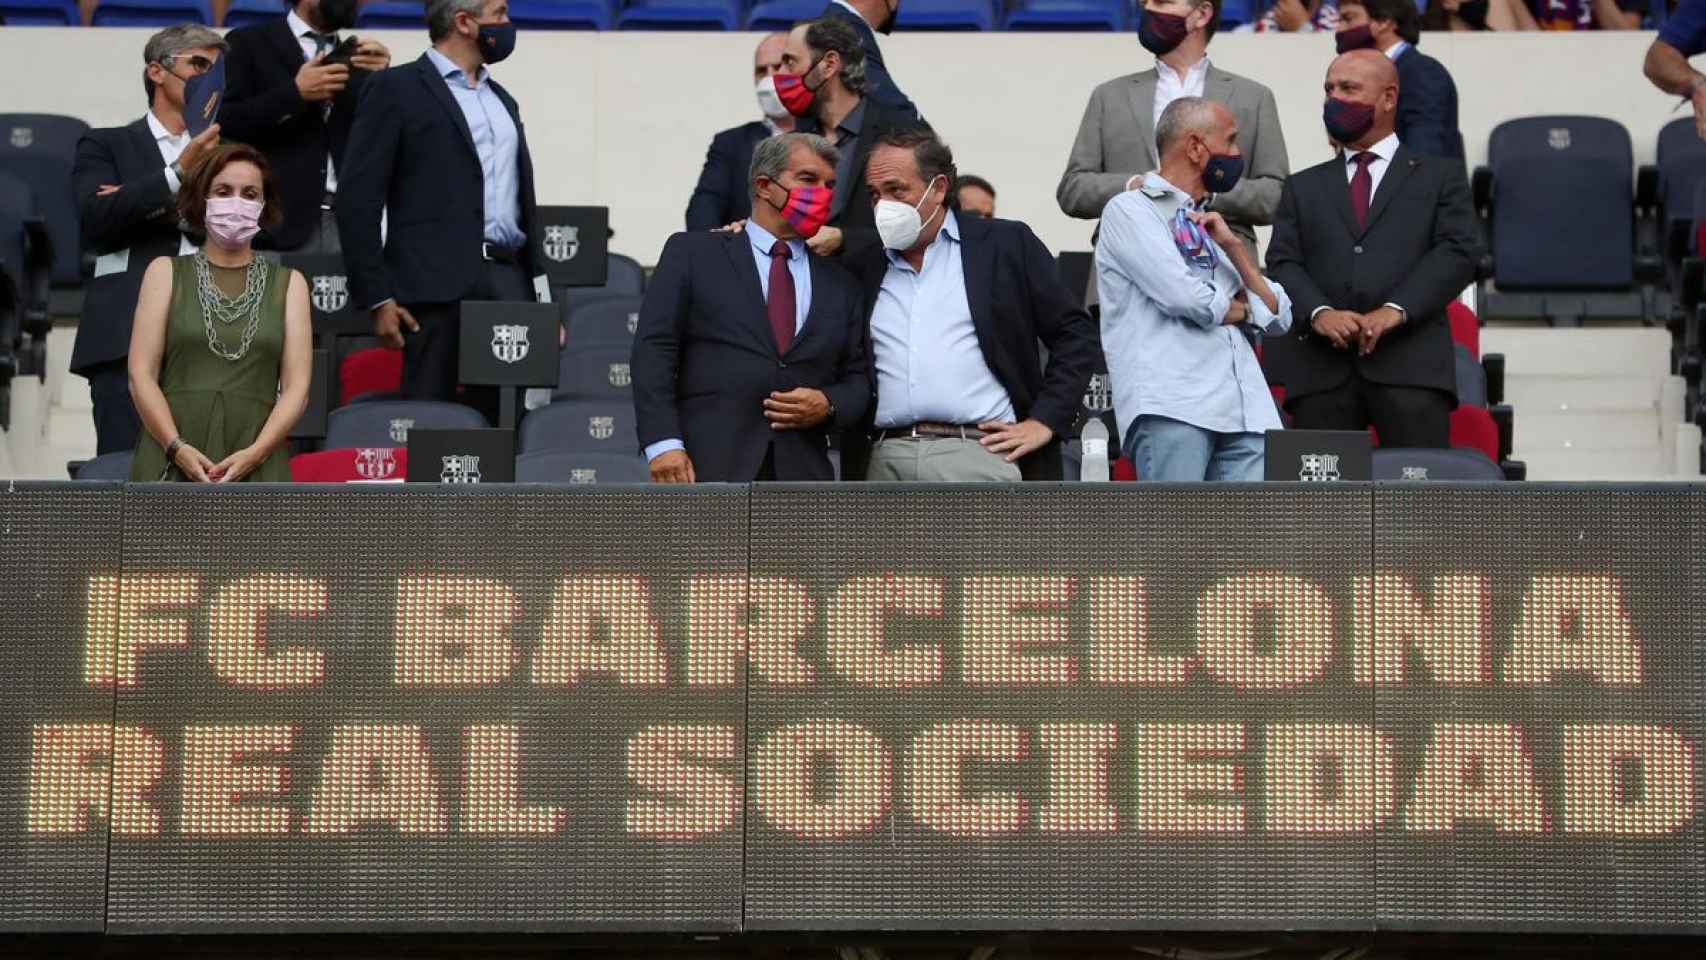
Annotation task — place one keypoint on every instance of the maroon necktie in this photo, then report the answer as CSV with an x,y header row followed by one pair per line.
x,y
1361,186
781,305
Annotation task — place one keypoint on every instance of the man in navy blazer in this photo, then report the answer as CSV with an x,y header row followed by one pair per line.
x,y
863,15
721,196
750,349
1427,97
439,148
957,308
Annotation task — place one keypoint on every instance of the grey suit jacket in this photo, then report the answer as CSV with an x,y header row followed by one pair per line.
x,y
1117,140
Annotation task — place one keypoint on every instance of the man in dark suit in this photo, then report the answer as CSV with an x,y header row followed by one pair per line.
x,y
958,305
750,349
862,16
282,97
721,198
1372,245
440,146
824,59
126,180
1427,97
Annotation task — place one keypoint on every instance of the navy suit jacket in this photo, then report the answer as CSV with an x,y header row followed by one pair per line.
x,y
704,360
1017,299
1427,106
142,217
723,195
879,86
411,154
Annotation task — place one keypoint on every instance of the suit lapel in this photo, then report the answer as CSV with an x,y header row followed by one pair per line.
x,y
1143,107
814,310
738,248
1403,162
287,45
434,82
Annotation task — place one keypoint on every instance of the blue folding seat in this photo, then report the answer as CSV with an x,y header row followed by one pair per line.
x,y
1073,15
623,277
682,15
245,13
1562,204
391,15
783,14
151,13
1427,463
596,373
1682,172
107,466
386,423
40,13
1236,13
611,322
39,149
578,467
561,14
586,426
946,15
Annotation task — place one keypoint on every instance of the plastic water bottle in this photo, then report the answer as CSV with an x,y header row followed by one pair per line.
x,y
1093,439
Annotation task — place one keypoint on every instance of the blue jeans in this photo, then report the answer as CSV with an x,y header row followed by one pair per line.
x,y
1173,451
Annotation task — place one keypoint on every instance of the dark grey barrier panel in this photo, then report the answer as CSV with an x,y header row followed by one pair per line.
x,y
414,709
58,545
1540,680
1054,706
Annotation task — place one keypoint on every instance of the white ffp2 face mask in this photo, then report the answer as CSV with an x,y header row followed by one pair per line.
x,y
768,102
899,224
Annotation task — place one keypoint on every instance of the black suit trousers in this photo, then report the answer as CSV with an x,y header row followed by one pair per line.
x,y
432,356
1402,416
117,425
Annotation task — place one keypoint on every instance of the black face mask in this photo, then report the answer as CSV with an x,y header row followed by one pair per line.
x,y
1474,13
335,15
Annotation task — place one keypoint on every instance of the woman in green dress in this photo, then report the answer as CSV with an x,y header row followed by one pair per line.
x,y
220,350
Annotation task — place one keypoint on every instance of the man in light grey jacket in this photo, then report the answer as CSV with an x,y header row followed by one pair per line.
x,y
1116,140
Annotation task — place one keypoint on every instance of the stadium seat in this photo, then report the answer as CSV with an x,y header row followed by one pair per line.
x,y
1074,15
368,374
944,15
1471,379
594,373
1465,327
782,14
1408,463
386,423
151,13
557,467
580,426
681,15
1473,428
40,13
1236,13
623,277
244,13
610,322
391,15
1682,174
349,465
107,466
39,149
561,14
17,207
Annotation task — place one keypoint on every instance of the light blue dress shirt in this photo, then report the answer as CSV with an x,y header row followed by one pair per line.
x,y
498,144
761,240
1168,353
930,366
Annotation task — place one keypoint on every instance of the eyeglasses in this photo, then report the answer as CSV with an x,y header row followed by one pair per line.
x,y
198,63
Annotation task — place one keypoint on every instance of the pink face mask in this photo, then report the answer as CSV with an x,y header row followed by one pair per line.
x,y
233,221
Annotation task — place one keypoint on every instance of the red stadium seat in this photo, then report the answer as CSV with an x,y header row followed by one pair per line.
x,y
1465,327
376,370
1472,428
350,464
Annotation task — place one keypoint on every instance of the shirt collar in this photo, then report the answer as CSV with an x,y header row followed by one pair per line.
x,y
298,26
1397,50
1197,69
159,130
762,240
1154,182
843,4
448,69
1385,149
854,121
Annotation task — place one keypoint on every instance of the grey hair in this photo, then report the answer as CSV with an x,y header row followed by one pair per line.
x,y
770,157
173,40
1182,116
833,33
441,15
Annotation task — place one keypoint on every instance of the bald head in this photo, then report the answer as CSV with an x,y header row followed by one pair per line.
x,y
1366,77
767,59
1192,115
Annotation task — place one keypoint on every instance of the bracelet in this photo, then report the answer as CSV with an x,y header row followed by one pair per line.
x,y
173,447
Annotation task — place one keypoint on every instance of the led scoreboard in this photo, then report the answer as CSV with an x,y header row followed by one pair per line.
x,y
1409,707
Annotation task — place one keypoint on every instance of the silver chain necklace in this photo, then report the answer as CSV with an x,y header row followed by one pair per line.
x,y
215,305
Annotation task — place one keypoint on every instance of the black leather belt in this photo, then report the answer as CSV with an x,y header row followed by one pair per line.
x,y
497,254
929,431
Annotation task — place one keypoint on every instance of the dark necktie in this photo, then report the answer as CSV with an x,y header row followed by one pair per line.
x,y
781,304
1362,185
322,41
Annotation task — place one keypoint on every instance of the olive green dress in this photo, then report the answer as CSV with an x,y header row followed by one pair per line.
x,y
219,405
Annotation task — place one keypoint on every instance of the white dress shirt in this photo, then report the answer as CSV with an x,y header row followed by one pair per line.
x,y
930,366
171,148
300,29
1169,86
1169,352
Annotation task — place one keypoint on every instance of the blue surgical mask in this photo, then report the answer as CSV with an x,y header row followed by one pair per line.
x,y
1223,172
